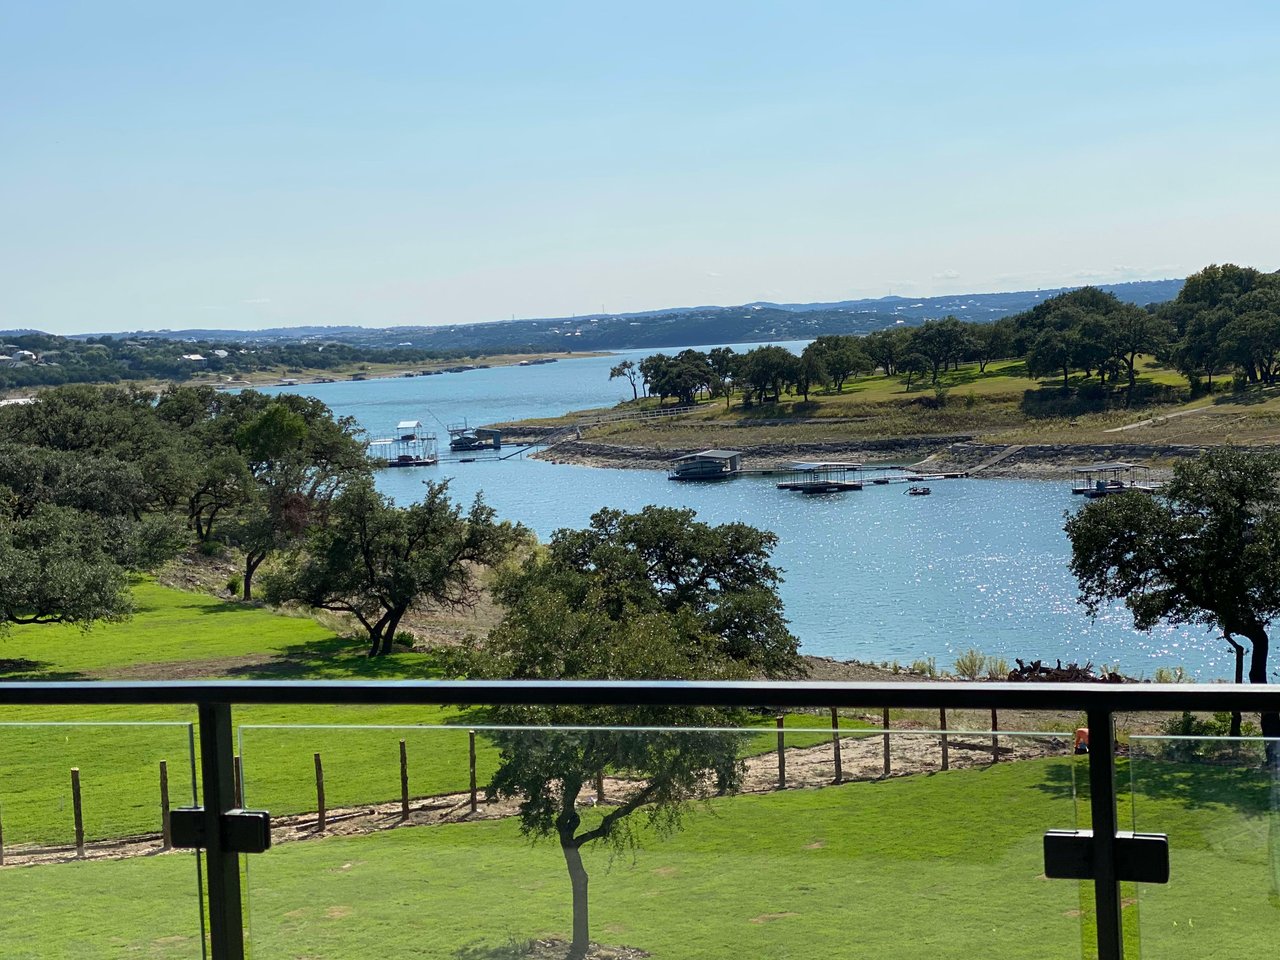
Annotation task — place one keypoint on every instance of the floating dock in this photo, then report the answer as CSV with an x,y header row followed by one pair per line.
x,y
822,478
409,447
1107,479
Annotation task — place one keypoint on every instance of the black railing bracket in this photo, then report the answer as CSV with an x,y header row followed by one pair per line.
x,y
1140,857
243,831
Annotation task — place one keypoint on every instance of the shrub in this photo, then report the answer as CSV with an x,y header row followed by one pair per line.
x,y
1206,739
1171,675
928,668
997,668
970,664
234,585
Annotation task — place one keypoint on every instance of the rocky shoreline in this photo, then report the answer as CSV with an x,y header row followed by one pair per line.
x,y
927,454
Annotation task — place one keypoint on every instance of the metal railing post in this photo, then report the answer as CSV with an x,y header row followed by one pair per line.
x,y
222,864
1102,805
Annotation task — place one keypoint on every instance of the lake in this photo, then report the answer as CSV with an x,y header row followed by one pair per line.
x,y
871,575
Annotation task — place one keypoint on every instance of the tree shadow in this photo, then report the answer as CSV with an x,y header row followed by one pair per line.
x,y
1195,784
1200,784
1246,398
340,658
227,606
21,669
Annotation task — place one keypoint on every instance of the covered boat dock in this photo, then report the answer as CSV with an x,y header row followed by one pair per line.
x,y
1105,479
706,465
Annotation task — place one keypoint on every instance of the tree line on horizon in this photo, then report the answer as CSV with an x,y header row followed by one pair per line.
x,y
56,360
1225,320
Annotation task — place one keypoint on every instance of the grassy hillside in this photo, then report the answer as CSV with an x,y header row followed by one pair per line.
x,y
1000,405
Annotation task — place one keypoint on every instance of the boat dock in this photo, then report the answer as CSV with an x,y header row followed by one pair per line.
x,y
824,477
463,438
706,465
409,447
1106,479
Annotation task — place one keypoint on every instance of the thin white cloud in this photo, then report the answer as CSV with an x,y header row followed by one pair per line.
x,y
947,275
257,300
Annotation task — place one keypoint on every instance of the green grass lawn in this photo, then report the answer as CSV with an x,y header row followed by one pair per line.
x,y
118,749
359,747
935,866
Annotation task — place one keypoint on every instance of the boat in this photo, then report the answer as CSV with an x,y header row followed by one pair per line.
x,y
707,465
465,438
918,491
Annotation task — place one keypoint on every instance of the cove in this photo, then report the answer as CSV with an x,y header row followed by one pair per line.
x,y
871,575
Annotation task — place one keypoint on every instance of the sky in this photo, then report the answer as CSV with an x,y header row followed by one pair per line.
x,y
244,165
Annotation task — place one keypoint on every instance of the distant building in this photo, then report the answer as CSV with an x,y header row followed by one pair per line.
x,y
193,357
221,354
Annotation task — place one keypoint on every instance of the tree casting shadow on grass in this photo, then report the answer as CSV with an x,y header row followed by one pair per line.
x,y
22,669
338,658
1196,785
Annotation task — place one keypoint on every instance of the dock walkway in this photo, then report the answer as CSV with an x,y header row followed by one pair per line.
x,y
991,461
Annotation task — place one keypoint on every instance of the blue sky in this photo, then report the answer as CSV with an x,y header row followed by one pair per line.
x,y
257,164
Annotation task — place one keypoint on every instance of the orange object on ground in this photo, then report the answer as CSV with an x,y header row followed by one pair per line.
x,y
1082,740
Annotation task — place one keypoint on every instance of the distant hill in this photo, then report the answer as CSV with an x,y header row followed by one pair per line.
x,y
675,326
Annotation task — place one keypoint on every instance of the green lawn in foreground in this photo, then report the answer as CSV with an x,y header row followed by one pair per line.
x,y
934,866
119,764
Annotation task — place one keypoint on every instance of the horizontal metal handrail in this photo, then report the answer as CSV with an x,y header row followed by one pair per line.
x,y
1112,698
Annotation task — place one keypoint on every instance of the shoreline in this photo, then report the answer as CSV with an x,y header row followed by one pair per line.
x,y
978,459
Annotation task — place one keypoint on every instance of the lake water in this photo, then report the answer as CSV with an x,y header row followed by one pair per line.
x,y
872,575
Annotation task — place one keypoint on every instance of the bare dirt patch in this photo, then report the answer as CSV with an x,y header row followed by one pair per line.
x,y
813,767
549,950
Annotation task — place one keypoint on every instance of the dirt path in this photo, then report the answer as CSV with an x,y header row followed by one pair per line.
x,y
862,759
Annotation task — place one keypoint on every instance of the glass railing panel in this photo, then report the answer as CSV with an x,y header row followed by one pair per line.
x,y
85,868
1218,800
923,863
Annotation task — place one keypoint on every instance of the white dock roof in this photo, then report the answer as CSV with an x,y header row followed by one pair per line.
x,y
711,455
408,424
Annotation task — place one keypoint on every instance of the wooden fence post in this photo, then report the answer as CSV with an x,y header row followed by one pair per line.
x,y
886,741
404,780
942,720
782,753
835,742
995,740
166,834
320,810
238,770
471,750
78,810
